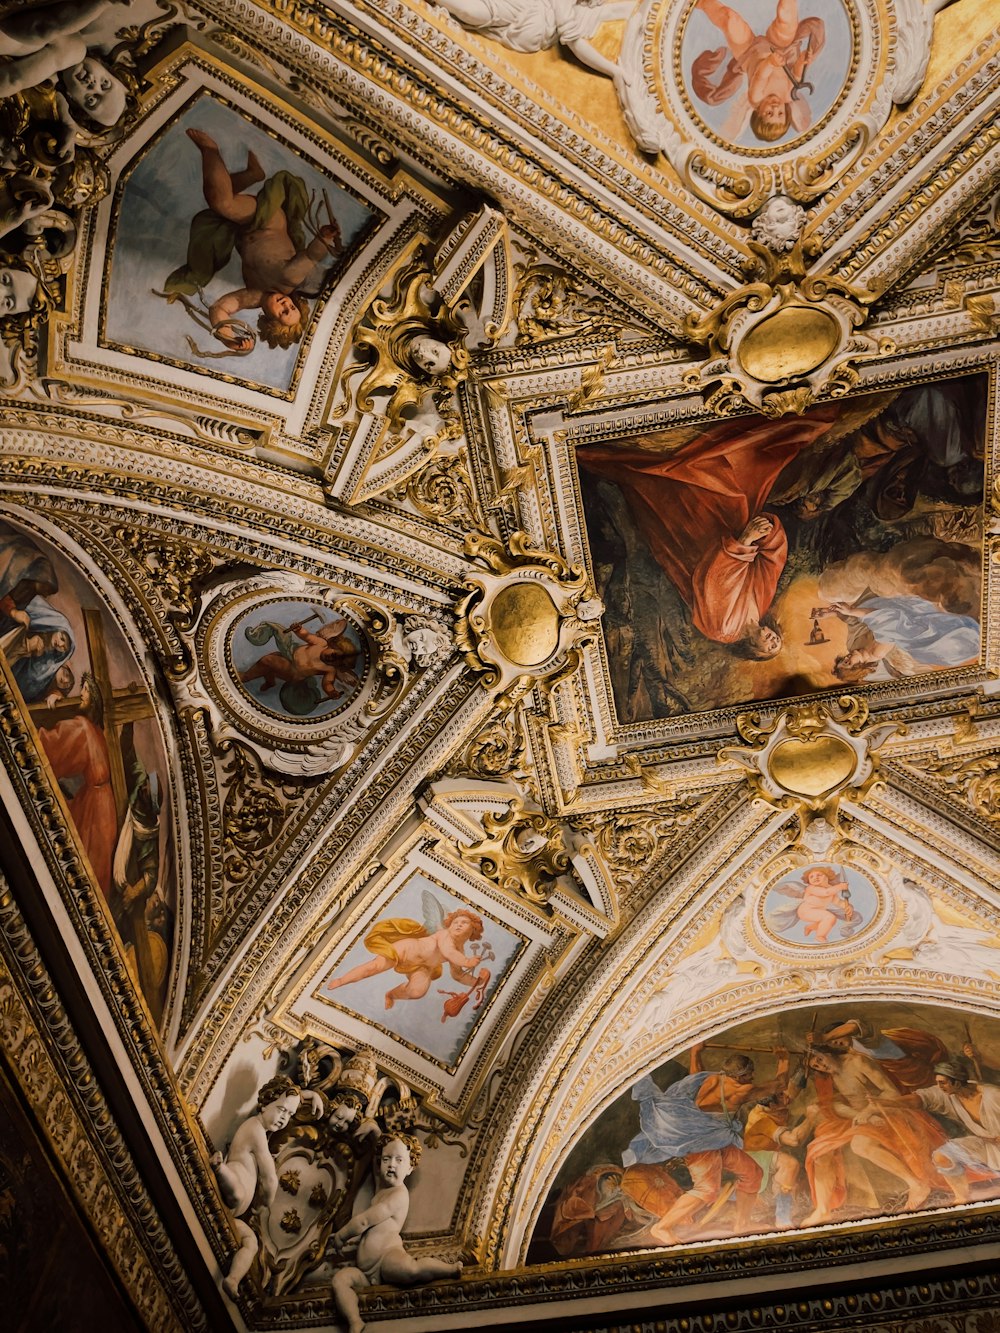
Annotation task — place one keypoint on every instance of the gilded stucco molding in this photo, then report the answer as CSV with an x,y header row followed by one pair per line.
x,y
126,464
811,756
927,158
64,1096
365,655
323,835
577,1044
883,48
550,863
973,778
442,491
931,1304
645,798
592,152
431,119
632,841
551,303
958,826
411,348
342,836
527,616
780,342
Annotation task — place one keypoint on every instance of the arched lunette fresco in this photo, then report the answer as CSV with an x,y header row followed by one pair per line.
x,y
80,684
805,1118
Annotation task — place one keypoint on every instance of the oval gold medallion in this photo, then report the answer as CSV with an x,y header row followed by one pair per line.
x,y
812,768
790,342
525,623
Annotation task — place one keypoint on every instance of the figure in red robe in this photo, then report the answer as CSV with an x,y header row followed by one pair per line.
x,y
76,749
701,512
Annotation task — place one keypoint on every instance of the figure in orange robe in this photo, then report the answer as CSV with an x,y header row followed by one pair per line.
x,y
76,748
858,1109
701,512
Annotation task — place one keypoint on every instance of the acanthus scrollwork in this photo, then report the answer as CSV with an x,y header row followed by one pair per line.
x,y
524,852
180,569
975,777
631,842
441,490
550,305
499,750
254,813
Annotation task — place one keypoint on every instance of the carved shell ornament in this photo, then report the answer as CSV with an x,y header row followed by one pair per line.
x,y
745,102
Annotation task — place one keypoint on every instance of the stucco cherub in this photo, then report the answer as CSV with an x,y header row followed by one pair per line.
x,y
249,1170
374,1235
426,641
56,85
412,344
779,223
343,1110
538,25
25,296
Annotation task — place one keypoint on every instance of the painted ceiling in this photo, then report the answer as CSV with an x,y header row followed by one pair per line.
x,y
498,625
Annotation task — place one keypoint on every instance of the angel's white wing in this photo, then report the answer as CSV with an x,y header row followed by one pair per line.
x,y
434,913
790,891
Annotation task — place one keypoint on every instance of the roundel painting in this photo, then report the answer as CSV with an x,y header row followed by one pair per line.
x,y
298,659
761,73
803,1119
820,904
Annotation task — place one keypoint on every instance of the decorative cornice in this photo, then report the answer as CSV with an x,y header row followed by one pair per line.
x,y
65,1097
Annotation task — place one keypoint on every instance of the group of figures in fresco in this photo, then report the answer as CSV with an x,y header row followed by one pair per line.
x,y
357,1226
78,679
755,559
840,1120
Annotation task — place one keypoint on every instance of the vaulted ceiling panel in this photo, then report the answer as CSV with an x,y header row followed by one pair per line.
x,y
498,653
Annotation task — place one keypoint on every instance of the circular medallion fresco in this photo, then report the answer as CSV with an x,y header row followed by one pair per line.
x,y
299,660
760,74
823,904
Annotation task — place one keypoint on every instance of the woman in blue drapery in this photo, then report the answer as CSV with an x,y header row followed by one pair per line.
x,y
906,633
37,653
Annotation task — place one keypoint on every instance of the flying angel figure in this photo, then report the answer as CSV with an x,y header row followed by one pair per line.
x,y
300,657
824,898
419,951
